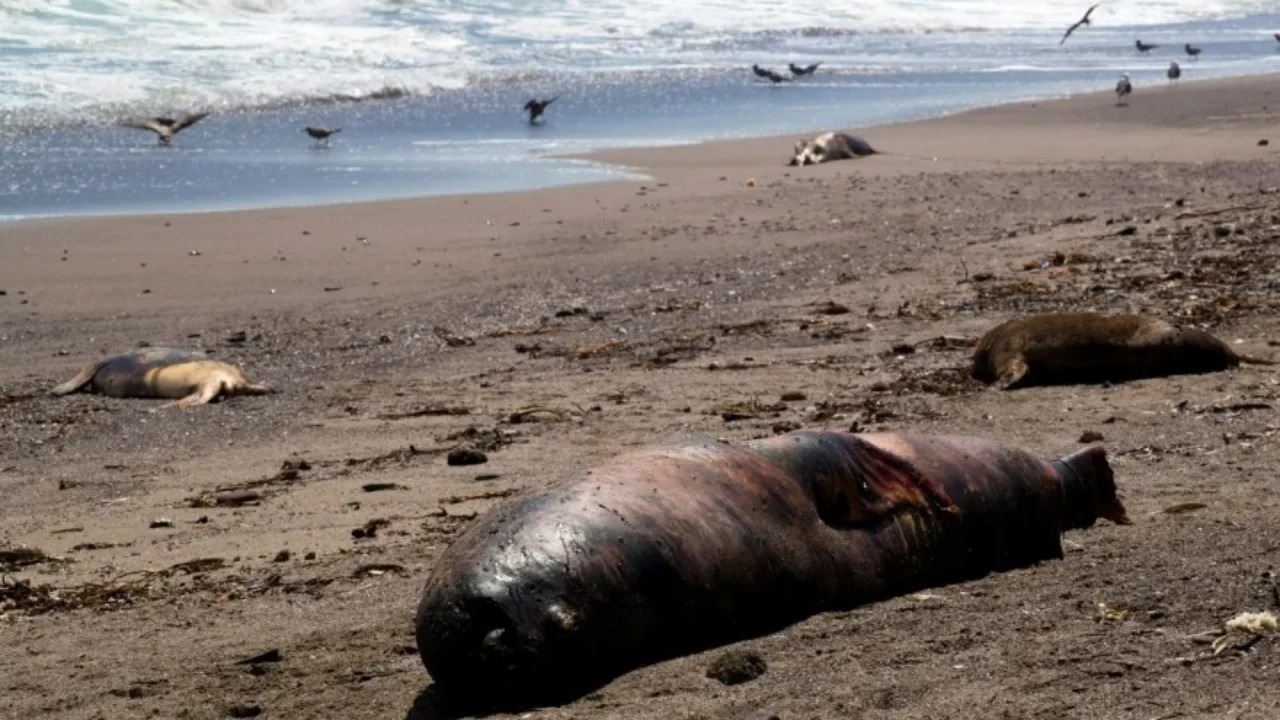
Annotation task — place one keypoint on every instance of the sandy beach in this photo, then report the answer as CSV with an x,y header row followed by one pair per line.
x,y
553,329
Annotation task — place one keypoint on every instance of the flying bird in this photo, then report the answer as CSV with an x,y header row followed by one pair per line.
x,y
807,70
1174,72
321,133
1123,88
769,75
1082,21
537,107
1192,51
165,128
1144,47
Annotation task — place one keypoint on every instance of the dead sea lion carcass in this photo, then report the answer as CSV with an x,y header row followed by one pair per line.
x,y
1076,347
673,550
189,377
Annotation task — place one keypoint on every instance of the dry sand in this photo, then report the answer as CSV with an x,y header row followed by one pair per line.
x,y
633,314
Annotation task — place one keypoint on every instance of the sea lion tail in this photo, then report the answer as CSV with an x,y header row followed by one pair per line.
x,y
1090,488
77,383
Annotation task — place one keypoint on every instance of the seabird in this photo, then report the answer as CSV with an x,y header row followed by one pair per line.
x,y
165,128
1174,72
321,133
807,70
1277,37
769,75
1144,47
537,107
1082,21
1123,88
1192,51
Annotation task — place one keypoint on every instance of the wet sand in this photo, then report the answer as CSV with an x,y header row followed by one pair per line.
x,y
630,314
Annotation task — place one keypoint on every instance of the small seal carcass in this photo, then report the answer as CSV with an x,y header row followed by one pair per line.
x,y
1076,348
189,377
830,146
673,550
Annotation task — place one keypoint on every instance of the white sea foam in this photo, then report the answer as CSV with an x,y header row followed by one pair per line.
x,y
61,59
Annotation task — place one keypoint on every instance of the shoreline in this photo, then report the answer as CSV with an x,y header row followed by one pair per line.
x,y
623,164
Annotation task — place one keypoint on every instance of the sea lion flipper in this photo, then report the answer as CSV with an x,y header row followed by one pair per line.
x,y
256,389
83,378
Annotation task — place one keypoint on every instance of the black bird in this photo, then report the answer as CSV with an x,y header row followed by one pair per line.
x,y
1192,51
1277,37
1174,72
769,75
807,70
321,133
1082,21
165,128
1144,47
1123,88
537,107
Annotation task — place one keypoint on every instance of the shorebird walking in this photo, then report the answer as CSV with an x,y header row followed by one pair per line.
x,y
165,128
1174,72
769,75
321,133
802,71
1144,47
1123,88
537,107
1082,21
1192,51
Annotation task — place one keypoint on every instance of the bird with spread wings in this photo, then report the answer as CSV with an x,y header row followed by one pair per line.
x,y
165,128
1082,21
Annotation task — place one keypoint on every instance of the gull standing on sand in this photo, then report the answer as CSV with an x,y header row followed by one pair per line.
x,y
1144,47
1082,21
165,128
321,133
1123,88
1192,51
1174,72
536,107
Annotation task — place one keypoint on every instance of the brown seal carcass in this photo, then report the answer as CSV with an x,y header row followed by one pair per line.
x,y
668,551
1077,347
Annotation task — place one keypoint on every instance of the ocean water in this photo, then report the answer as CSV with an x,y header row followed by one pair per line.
x,y
429,92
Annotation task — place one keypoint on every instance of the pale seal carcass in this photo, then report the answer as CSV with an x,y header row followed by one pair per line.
x,y
188,377
830,146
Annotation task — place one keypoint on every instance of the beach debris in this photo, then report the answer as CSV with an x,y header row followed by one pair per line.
x,y
282,556
793,396
435,409
532,413
1082,21
452,339
1110,614
161,522
1185,507
466,456
270,656
381,486
1090,436
378,569
370,529
828,307
244,710
12,558
734,667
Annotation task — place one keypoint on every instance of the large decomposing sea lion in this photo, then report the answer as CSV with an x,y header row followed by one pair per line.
x,y
189,377
673,550
1069,348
